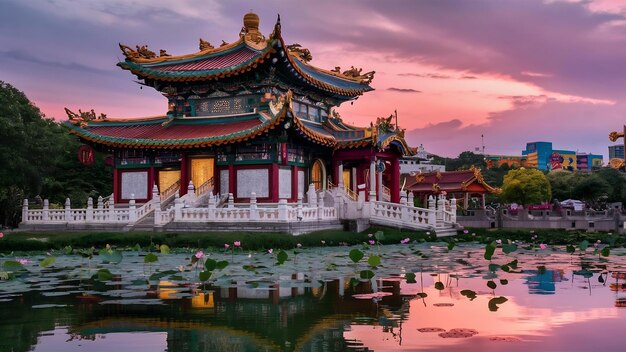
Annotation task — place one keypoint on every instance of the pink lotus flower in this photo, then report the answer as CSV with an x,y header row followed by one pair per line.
x,y
199,254
405,241
23,261
499,241
543,246
372,242
226,245
237,244
465,232
270,251
598,241
1,235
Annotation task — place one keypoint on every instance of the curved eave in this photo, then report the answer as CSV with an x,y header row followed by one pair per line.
x,y
300,74
200,75
398,141
118,142
311,135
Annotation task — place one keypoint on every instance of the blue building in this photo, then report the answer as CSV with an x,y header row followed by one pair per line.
x,y
541,156
616,151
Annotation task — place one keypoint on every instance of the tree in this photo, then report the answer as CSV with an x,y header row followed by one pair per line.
x,y
617,180
525,186
38,158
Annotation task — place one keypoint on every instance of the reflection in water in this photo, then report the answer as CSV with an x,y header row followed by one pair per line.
x,y
557,307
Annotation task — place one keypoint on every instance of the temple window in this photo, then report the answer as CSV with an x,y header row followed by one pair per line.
x,y
225,105
253,152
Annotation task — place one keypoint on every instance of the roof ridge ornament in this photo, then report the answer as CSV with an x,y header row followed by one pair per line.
x,y
82,118
301,53
205,45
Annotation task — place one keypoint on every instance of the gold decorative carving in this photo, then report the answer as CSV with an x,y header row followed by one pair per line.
x,y
420,178
142,52
224,43
613,136
205,45
163,52
83,116
617,163
300,52
353,72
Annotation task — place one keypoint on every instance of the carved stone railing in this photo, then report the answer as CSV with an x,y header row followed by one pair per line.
x,y
170,191
205,187
386,194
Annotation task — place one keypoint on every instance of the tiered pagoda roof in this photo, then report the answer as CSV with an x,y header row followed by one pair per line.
x,y
244,55
451,181
212,64
164,132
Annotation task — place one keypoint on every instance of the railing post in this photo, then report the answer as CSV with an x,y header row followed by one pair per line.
x,y
453,210
411,199
372,194
320,205
404,211
156,198
254,213
311,196
211,207
100,203
432,211
231,201
441,208
340,185
191,192
46,210
299,207
25,211
178,206
89,212
68,212
282,210
112,216
132,209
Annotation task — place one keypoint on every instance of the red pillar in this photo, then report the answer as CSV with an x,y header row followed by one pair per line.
x,y
274,183
395,180
116,185
294,183
231,179
183,176
151,181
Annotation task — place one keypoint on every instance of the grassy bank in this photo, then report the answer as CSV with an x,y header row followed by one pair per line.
x,y
24,241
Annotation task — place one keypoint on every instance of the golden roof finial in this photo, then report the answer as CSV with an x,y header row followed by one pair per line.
x,y
251,22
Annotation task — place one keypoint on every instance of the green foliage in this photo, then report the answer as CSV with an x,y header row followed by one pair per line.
x,y
593,188
490,250
492,285
606,251
493,303
439,285
509,248
205,275
47,262
210,264
469,294
104,275
356,255
150,258
410,278
583,245
38,158
366,274
525,186
373,261
281,257
164,249
451,245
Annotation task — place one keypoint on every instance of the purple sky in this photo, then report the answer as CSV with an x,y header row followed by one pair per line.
x,y
514,71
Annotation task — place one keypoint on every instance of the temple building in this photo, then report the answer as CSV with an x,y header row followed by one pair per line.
x,y
249,141
248,116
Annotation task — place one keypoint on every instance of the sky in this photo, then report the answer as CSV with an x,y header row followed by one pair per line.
x,y
513,71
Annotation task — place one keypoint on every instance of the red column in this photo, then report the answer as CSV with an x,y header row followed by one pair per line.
x,y
294,183
395,180
183,176
116,185
273,183
151,181
231,179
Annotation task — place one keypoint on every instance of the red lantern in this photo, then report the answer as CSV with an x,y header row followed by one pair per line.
x,y
86,155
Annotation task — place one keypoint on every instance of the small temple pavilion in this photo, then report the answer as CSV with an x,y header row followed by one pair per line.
x,y
248,116
462,185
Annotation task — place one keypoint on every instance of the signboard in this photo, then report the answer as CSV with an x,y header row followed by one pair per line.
x,y
86,155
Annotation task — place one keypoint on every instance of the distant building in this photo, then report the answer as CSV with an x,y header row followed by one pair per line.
x,y
541,156
419,163
616,151
500,160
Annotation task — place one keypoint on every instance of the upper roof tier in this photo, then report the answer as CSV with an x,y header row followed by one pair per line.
x,y
249,53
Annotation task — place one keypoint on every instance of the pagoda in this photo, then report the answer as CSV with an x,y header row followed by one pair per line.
x,y
248,116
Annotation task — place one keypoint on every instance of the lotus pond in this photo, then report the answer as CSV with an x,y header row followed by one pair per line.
x,y
412,296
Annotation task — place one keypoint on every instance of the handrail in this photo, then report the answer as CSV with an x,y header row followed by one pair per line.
x,y
205,187
170,191
386,193
351,194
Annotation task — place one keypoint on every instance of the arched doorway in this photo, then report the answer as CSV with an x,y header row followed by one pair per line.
x,y
318,175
